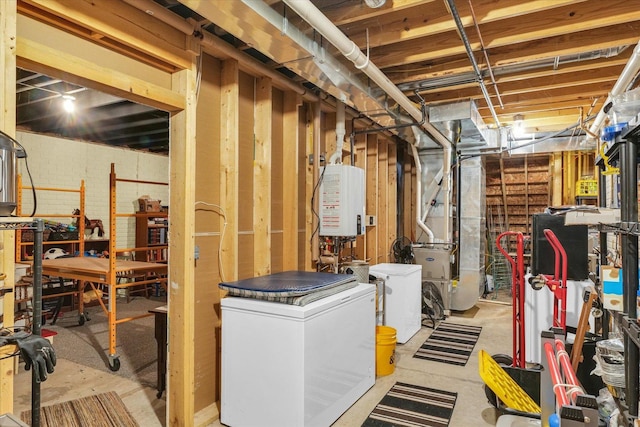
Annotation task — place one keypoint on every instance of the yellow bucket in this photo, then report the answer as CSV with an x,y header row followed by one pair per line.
x,y
385,350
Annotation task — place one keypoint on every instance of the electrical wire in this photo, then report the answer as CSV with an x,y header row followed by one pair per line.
x,y
223,214
313,210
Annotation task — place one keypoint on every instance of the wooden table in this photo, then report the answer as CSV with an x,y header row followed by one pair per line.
x,y
96,271
161,338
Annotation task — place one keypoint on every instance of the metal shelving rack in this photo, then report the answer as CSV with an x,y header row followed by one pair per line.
x,y
625,149
37,225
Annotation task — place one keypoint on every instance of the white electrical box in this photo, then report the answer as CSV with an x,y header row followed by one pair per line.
x,y
342,193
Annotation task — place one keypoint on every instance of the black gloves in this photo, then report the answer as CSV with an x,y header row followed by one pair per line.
x,y
36,351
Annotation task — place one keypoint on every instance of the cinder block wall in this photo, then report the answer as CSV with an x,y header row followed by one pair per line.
x,y
63,163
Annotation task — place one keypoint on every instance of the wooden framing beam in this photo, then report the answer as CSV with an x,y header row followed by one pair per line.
x,y
290,201
372,208
383,199
392,194
7,238
43,59
229,118
262,178
118,26
306,228
181,357
421,20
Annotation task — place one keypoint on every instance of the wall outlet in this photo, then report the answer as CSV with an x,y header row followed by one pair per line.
x,y
370,220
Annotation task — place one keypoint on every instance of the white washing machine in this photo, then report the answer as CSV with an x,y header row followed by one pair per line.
x,y
403,297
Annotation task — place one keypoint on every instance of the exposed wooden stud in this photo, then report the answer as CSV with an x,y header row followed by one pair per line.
x,y
229,165
383,199
310,158
372,208
360,161
208,234
262,178
7,238
392,194
290,200
181,372
504,194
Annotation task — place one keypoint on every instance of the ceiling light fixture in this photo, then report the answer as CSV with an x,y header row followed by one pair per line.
x,y
68,103
374,4
518,125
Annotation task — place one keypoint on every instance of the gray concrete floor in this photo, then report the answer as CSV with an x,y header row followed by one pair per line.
x,y
71,380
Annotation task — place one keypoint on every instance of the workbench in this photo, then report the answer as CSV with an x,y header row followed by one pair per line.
x,y
105,272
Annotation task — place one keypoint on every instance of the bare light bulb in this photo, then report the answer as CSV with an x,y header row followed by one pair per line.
x,y
68,103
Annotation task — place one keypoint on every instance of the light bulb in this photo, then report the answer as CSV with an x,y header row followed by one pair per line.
x,y
68,103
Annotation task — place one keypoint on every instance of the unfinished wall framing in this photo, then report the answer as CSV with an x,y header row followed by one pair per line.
x,y
244,154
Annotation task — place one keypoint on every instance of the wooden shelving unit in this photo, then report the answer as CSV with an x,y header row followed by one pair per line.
x,y
152,234
521,186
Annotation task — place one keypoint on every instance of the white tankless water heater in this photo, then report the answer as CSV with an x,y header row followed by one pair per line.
x,y
342,192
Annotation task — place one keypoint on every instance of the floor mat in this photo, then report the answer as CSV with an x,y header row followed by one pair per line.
x,y
450,343
100,410
413,405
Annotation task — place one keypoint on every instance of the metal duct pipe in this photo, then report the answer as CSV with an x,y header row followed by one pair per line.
x,y
416,159
467,45
340,133
219,46
626,77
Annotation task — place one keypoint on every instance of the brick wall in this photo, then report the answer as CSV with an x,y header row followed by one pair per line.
x,y
62,163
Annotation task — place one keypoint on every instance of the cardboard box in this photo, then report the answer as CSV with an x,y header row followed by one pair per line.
x,y
592,217
146,204
611,278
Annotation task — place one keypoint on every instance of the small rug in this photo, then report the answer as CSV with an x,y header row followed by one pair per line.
x,y
450,343
100,410
413,405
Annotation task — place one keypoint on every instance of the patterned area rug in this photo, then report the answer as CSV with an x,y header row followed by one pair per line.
x,y
450,343
413,405
100,410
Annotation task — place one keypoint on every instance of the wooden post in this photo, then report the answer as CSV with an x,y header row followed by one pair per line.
x,y
229,165
391,213
504,195
372,208
290,205
262,178
181,354
383,200
8,125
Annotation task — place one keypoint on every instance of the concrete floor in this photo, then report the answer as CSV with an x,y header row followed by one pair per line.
x,y
71,381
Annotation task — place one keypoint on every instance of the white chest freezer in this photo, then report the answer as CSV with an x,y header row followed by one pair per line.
x,y
403,297
292,366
